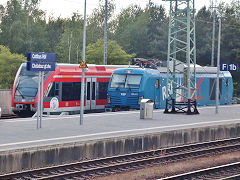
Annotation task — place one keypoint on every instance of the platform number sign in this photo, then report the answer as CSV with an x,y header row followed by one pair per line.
x,y
229,67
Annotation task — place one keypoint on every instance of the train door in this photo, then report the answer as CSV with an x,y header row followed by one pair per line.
x,y
91,94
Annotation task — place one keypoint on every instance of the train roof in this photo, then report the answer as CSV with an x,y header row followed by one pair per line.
x,y
69,69
137,71
199,70
93,65
161,66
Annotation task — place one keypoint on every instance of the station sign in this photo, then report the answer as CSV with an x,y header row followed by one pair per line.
x,y
46,57
228,67
41,66
41,61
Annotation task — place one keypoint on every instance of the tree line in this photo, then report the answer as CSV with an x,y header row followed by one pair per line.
x,y
134,32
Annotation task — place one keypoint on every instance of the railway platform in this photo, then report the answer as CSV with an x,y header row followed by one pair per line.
x,y
62,139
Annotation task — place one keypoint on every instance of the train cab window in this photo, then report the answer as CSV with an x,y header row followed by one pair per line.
x,y
52,90
48,91
118,81
71,91
133,81
102,90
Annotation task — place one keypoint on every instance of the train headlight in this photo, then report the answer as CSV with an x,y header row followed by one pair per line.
x,y
108,99
140,99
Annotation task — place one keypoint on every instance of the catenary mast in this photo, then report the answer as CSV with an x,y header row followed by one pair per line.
x,y
181,59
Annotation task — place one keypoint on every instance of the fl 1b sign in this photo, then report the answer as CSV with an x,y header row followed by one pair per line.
x,y
228,67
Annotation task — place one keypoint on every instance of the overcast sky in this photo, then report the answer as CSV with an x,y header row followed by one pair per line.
x,y
65,8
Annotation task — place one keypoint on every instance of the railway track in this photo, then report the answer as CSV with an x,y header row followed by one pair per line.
x,y
121,163
228,171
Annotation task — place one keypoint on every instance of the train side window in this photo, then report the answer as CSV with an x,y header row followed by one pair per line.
x,y
88,90
56,93
71,91
157,84
93,90
102,90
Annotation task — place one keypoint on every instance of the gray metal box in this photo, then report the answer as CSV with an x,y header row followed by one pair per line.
x,y
146,109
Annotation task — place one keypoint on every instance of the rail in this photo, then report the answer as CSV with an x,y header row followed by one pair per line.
x,y
224,172
121,163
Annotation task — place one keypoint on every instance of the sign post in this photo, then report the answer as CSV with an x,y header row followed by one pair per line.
x,y
83,66
83,62
40,62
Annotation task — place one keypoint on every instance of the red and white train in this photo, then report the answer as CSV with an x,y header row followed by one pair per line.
x,y
64,86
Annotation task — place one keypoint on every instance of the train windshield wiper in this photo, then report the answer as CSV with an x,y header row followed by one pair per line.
x,y
17,90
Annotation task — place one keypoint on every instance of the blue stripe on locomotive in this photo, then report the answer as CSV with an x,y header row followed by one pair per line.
x,y
123,97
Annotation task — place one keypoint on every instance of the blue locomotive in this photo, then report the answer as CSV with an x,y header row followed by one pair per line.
x,y
128,86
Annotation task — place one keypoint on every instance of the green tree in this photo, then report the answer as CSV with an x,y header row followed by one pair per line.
x,y
23,27
123,22
204,36
115,54
157,32
96,22
9,64
143,32
230,42
71,39
55,29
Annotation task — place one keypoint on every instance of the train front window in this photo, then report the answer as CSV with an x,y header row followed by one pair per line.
x,y
133,81
27,83
118,81
126,81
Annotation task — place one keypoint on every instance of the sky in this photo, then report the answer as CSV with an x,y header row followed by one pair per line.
x,y
65,8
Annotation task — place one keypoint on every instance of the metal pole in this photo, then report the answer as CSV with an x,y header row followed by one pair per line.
x,y
82,82
38,104
213,37
188,52
168,56
218,65
69,47
41,110
77,52
105,34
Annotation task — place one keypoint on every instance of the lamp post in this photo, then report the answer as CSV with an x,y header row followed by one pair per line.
x,y
105,34
218,65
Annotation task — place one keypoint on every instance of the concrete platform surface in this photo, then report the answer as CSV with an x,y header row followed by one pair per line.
x,y
22,133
